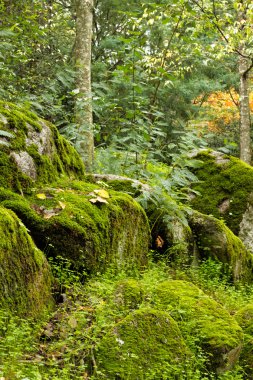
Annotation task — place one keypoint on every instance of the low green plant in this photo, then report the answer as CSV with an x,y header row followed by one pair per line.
x,y
63,272
18,346
210,277
67,345
4,135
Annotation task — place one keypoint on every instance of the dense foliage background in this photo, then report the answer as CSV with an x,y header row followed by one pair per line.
x,y
159,70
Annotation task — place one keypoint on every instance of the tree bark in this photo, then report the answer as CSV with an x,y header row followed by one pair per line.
x,y
245,138
83,106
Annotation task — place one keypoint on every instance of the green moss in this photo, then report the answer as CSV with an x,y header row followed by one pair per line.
x,y
244,318
63,161
129,294
25,278
147,344
17,121
231,180
214,239
67,156
204,319
124,186
246,357
91,235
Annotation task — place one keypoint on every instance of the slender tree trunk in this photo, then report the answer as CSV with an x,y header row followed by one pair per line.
x,y
83,107
245,139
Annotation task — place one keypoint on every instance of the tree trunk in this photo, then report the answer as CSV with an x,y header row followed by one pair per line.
x,y
83,106
245,139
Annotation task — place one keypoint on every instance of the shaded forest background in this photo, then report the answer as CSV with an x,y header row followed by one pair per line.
x,y
162,71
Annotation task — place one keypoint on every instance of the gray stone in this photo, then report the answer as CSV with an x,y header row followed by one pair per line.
x,y
25,163
42,139
246,228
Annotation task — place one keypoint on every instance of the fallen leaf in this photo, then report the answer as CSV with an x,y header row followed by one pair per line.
x,y
159,242
87,308
41,196
98,200
38,209
62,205
102,193
47,214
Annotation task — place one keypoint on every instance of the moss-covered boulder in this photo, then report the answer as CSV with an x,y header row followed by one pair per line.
x,y
203,319
213,239
75,221
226,191
147,344
25,277
36,153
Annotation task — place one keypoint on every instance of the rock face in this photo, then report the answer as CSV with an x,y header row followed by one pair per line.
x,y
36,153
203,318
213,239
25,276
63,221
226,188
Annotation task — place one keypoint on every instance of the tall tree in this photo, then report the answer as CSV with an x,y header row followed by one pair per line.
x,y
83,106
245,64
232,22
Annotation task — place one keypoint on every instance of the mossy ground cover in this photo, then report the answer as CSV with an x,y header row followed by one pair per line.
x,y
122,312
203,318
215,240
231,180
25,276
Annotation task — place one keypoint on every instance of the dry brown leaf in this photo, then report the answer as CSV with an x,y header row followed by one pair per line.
x,y
159,242
87,308
47,214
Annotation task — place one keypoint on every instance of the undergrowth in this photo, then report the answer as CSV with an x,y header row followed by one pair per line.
x,y
66,346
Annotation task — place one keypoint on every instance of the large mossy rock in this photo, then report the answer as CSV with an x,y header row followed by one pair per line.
x,y
61,217
213,239
36,153
25,276
64,221
226,191
147,344
203,319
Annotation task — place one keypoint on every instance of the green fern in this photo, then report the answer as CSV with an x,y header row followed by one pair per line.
x,y
5,134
